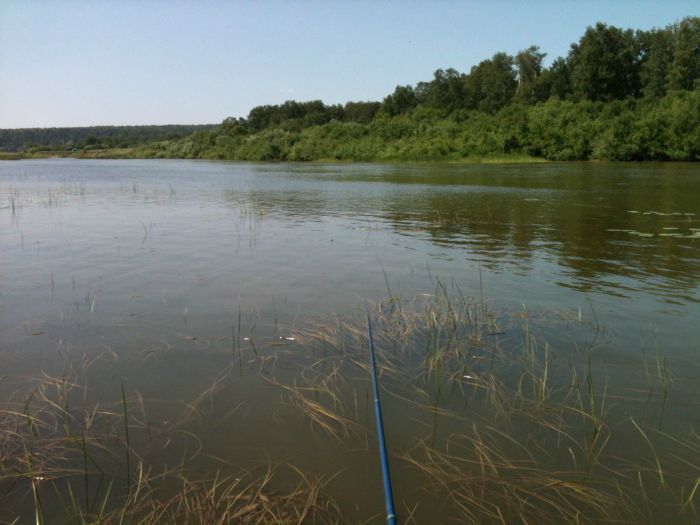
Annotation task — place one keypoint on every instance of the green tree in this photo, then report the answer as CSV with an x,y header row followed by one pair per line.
x,y
400,101
559,78
529,66
445,92
491,84
362,112
604,64
562,129
685,68
656,48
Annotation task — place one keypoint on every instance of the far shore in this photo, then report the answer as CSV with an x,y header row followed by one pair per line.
x,y
137,153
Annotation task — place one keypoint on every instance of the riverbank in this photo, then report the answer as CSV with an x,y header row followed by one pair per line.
x,y
109,153
664,129
137,153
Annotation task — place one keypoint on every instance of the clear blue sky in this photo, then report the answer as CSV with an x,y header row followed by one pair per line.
x,y
76,63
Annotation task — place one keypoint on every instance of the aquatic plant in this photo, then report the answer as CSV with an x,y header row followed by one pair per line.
x,y
502,426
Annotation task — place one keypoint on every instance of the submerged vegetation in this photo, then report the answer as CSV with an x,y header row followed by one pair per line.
x,y
483,416
617,95
492,416
516,441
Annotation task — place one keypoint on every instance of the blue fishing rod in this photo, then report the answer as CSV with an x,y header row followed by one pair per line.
x,y
384,458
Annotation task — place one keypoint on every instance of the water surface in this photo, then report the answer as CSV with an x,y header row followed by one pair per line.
x,y
158,264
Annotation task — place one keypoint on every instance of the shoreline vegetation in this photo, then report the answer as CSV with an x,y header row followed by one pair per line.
x,y
138,154
619,95
507,428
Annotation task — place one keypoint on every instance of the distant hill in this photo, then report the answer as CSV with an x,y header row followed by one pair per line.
x,y
93,136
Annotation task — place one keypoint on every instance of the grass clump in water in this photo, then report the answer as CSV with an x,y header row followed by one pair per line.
x,y
487,423
60,462
506,427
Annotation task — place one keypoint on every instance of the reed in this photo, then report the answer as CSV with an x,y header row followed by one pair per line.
x,y
490,418
38,451
523,445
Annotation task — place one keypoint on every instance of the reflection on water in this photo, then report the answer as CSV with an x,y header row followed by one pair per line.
x,y
603,225
600,224
106,236
168,272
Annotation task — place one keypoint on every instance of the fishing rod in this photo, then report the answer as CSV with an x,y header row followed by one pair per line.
x,y
384,458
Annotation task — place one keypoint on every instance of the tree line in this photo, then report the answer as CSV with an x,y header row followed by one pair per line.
x,y
606,64
619,94
92,137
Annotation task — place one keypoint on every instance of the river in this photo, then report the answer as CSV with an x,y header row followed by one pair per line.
x,y
165,274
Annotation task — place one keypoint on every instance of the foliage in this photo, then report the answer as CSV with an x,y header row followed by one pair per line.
x,y
96,136
491,85
531,87
667,128
685,68
604,64
618,95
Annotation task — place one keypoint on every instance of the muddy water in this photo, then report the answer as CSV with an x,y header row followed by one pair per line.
x,y
168,276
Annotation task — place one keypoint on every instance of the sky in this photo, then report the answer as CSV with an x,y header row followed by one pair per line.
x,y
84,63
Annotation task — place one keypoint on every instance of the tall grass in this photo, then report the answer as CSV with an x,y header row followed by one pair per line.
x,y
484,415
517,429
66,455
